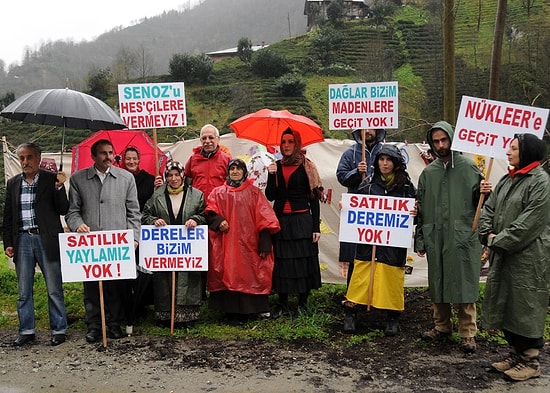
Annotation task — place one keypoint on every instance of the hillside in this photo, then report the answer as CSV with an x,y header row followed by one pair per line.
x,y
213,25
406,46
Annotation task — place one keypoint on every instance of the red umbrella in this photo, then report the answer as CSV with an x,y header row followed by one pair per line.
x,y
121,139
266,127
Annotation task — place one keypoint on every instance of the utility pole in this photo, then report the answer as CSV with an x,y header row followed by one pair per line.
x,y
288,18
449,74
496,54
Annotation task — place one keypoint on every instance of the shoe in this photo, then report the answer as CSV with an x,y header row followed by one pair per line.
x,y
524,370
350,318
93,335
24,339
468,345
114,332
392,327
277,312
510,362
58,339
435,335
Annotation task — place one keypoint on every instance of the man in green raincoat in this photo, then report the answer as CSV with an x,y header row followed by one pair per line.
x,y
448,195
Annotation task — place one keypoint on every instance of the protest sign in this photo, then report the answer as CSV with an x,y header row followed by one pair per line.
x,y
173,248
97,256
363,105
487,127
377,220
152,105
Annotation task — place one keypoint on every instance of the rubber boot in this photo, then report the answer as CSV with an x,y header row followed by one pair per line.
x,y
392,324
350,318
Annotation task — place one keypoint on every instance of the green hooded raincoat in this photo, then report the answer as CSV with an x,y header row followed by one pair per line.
x,y
516,295
447,196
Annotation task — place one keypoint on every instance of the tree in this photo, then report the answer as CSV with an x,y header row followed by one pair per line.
x,y
8,98
244,50
268,63
144,62
99,83
125,63
181,67
325,43
335,12
203,67
191,69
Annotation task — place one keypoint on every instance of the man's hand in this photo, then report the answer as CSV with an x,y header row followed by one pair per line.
x,y
61,178
9,252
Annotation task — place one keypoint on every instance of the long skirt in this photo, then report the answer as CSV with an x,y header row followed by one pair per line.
x,y
188,296
296,267
387,289
231,302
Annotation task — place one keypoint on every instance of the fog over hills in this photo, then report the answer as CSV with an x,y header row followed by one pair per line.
x,y
213,25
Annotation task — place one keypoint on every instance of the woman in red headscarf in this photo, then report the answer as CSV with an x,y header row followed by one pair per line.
x,y
294,185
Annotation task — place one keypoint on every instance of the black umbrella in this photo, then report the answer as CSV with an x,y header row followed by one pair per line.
x,y
66,108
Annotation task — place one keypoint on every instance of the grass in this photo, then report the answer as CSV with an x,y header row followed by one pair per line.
x,y
316,324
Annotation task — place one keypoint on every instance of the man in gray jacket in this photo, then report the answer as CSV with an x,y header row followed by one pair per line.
x,y
102,198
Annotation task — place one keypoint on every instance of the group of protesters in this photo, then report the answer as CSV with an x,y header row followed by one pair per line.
x,y
264,243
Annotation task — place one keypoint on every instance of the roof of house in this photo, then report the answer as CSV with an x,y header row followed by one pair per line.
x,y
232,51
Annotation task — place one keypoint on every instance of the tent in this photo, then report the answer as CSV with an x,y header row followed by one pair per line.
x,y
326,156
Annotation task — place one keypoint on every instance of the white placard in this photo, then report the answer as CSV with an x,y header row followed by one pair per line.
x,y
174,248
97,256
152,105
375,219
487,127
363,105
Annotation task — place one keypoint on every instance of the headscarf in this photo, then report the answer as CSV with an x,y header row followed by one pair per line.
x,y
531,149
298,157
240,164
170,166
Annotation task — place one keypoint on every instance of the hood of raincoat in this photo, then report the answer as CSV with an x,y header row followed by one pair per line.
x,y
443,126
380,135
395,155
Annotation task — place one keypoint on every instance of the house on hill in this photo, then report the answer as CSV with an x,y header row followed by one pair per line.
x,y
231,52
316,10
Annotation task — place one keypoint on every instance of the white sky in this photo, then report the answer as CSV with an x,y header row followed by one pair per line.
x,y
28,24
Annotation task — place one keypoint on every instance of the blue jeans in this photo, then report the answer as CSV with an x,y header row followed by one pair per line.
x,y
29,253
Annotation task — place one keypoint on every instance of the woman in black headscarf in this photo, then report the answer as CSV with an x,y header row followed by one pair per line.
x,y
515,225
240,265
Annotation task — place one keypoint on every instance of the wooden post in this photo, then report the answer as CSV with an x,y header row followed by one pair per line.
x,y
482,197
102,308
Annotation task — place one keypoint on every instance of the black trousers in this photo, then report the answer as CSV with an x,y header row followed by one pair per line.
x,y
113,295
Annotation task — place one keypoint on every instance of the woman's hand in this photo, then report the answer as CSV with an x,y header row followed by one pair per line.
x,y
272,168
414,210
485,187
159,222
190,223
316,237
224,226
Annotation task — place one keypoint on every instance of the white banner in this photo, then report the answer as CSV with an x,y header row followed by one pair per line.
x,y
375,219
487,127
152,105
363,105
97,256
174,248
